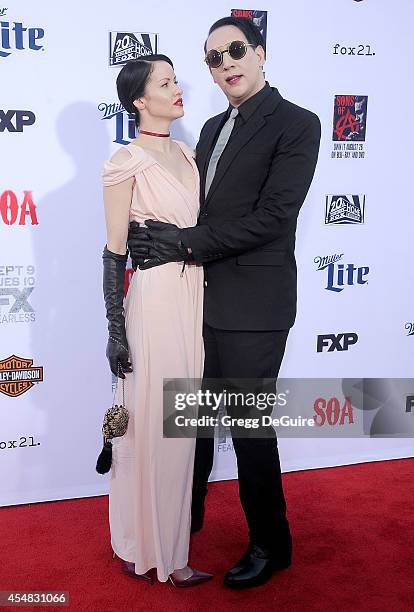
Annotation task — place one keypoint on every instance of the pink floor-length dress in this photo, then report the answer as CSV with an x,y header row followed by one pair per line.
x,y
151,476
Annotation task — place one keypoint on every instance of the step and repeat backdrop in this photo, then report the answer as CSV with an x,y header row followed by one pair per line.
x,y
350,62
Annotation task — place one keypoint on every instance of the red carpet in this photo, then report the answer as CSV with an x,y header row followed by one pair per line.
x,y
353,530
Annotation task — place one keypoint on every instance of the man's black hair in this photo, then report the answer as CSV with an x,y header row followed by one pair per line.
x,y
251,32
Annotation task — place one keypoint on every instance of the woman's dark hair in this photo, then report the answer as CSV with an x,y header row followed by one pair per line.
x,y
251,32
133,78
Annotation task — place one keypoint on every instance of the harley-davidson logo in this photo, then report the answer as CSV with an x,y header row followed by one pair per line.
x,y
18,375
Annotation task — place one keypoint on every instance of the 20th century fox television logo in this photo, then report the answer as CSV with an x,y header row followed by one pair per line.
x,y
344,209
127,46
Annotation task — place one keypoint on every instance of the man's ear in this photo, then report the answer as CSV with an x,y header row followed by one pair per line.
x,y
260,52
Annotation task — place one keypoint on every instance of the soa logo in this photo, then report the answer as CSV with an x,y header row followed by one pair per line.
x,y
12,212
330,412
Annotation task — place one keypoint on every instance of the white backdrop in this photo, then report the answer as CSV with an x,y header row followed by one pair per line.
x,y
55,72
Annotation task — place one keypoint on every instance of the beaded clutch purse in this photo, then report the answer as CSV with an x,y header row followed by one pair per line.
x,y
115,421
115,425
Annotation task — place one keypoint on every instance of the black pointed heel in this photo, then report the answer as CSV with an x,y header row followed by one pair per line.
x,y
195,578
128,568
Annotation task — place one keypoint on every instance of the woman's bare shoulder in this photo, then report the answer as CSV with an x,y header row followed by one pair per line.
x,y
121,156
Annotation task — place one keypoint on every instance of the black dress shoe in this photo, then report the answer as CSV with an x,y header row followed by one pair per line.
x,y
256,567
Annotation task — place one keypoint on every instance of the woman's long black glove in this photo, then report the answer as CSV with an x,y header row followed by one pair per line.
x,y
113,288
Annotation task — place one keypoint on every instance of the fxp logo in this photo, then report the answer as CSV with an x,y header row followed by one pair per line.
x,y
338,274
336,342
16,120
15,36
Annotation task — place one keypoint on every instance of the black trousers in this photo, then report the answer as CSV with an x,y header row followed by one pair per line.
x,y
246,354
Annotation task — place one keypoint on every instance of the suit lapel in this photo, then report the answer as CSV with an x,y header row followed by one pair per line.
x,y
240,139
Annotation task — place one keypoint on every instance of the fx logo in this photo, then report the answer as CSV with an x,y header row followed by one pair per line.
x,y
22,118
409,404
336,342
20,299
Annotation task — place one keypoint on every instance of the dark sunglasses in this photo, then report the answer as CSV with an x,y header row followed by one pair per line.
x,y
236,49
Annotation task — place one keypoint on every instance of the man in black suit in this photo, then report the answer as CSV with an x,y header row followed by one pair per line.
x,y
255,167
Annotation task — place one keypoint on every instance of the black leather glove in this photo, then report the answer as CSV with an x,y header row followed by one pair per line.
x,y
165,244
113,288
138,244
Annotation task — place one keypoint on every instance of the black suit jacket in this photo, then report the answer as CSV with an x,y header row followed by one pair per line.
x,y
246,229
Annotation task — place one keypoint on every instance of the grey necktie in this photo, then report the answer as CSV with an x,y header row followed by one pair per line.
x,y
222,140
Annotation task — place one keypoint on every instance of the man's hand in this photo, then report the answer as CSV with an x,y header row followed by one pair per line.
x,y
157,243
138,244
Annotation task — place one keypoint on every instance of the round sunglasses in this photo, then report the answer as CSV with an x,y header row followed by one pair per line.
x,y
236,49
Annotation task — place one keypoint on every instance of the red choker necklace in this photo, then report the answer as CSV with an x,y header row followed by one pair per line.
x,y
154,134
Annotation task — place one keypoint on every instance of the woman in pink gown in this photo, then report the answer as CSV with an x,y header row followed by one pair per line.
x,y
160,334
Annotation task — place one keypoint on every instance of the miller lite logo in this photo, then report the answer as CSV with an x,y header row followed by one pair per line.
x,y
18,375
409,326
127,46
344,209
340,275
15,36
123,122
